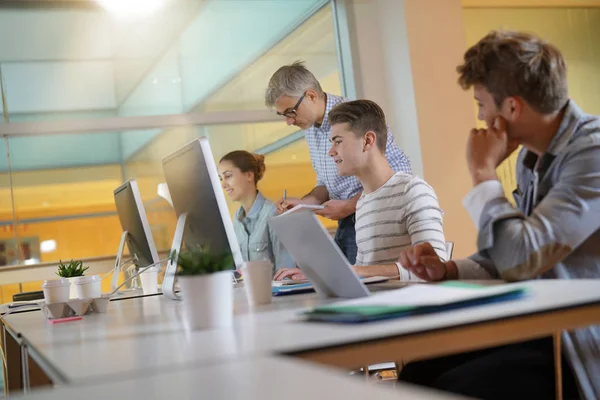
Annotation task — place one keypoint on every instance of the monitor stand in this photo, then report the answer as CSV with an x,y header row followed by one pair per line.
x,y
117,271
171,269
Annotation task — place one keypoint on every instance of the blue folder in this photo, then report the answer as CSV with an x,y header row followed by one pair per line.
x,y
292,289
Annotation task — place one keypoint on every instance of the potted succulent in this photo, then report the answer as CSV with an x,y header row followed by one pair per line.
x,y
71,271
205,280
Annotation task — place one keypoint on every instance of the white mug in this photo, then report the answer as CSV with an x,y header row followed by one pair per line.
x,y
258,276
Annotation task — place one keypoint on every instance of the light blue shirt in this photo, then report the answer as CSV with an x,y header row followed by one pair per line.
x,y
257,241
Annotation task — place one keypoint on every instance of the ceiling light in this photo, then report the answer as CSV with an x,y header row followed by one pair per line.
x,y
48,246
132,8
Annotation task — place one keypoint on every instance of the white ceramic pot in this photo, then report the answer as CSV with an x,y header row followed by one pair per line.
x,y
207,300
149,281
72,292
88,287
56,290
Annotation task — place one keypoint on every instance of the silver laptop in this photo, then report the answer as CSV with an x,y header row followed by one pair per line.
x,y
318,256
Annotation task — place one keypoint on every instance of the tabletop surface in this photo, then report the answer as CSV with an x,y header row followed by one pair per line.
x,y
260,378
145,335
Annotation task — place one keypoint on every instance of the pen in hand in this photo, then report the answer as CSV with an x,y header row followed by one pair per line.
x,y
284,200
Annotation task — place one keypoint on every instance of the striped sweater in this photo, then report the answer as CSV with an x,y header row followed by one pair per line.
x,y
402,213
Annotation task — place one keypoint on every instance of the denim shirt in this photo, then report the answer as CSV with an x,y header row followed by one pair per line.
x,y
257,241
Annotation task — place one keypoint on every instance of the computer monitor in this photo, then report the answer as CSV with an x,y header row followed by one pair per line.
x,y
200,205
136,229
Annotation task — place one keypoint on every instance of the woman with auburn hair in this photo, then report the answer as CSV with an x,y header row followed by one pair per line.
x,y
240,172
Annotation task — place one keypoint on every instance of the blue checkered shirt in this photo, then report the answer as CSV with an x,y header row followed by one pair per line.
x,y
343,187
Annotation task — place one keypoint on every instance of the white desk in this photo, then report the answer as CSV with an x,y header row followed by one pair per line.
x,y
132,294
145,336
133,317
261,378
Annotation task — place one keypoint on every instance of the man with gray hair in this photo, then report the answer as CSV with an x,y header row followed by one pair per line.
x,y
297,96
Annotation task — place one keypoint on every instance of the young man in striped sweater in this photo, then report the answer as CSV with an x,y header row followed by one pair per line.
x,y
396,210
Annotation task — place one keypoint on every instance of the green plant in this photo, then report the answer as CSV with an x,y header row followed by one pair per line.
x,y
203,262
72,269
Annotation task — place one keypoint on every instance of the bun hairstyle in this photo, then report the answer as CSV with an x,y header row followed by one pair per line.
x,y
247,162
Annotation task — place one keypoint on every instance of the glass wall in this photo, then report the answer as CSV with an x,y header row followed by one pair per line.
x,y
66,210
79,63
575,31
8,236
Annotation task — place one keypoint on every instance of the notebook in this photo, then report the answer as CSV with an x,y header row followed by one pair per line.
x,y
414,300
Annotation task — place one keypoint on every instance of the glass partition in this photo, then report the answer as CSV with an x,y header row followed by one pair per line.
x,y
66,64
8,237
63,202
63,184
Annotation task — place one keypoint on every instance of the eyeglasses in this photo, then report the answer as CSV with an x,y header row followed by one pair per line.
x,y
293,112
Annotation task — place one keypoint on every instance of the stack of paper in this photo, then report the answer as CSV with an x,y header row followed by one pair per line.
x,y
304,207
413,300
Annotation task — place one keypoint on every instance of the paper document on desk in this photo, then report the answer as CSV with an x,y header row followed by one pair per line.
x,y
429,295
416,299
302,207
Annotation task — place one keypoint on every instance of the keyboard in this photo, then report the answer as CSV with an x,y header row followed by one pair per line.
x,y
287,282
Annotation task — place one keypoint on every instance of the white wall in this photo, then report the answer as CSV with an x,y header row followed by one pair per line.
x,y
382,68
